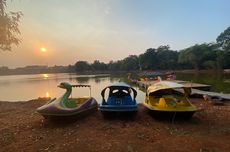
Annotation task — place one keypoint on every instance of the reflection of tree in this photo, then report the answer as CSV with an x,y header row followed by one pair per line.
x,y
114,79
101,79
97,80
215,80
82,79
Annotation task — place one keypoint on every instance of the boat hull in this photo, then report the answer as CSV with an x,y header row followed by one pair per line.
x,y
56,110
177,114
170,115
121,108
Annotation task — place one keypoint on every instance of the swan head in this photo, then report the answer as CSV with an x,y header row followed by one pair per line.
x,y
65,85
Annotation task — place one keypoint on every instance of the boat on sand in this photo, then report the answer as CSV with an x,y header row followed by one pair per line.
x,y
169,99
66,106
119,99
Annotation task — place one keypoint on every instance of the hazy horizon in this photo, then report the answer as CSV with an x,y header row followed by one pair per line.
x,y
110,30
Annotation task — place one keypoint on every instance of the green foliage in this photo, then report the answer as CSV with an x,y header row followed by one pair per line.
x,y
224,39
82,66
98,66
199,56
167,59
130,63
148,60
8,27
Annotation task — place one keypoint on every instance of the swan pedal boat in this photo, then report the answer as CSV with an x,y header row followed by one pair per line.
x,y
68,107
166,98
119,99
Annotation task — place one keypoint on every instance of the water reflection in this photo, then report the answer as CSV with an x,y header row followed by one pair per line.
x,y
216,80
45,76
27,87
97,80
81,80
47,94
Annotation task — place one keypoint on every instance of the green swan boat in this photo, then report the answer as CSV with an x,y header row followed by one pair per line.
x,y
66,106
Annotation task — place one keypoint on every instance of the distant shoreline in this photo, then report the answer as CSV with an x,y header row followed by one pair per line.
x,y
189,71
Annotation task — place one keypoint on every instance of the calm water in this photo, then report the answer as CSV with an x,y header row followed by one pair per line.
x,y
27,87
219,82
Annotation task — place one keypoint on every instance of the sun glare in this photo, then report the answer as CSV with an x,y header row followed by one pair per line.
x,y
45,75
47,94
43,49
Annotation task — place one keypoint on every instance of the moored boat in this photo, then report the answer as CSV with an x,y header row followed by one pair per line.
x,y
169,99
66,106
119,99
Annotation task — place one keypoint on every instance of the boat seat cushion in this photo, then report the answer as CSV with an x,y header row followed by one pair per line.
x,y
71,104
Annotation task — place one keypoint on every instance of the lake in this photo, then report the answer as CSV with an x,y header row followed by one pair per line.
x,y
27,87
220,82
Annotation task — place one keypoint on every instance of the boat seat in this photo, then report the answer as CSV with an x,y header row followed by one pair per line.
x,y
167,101
128,100
70,104
111,101
171,100
161,103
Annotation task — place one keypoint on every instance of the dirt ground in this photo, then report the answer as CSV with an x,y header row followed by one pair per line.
x,y
22,129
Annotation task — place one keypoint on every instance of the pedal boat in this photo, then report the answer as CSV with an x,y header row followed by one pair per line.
x,y
169,99
119,99
66,106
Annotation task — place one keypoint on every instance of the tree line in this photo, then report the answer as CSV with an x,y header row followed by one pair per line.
x,y
214,55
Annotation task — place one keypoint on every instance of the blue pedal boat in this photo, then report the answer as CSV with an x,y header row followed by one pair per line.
x,y
119,99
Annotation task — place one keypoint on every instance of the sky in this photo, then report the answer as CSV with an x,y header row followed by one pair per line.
x,y
106,30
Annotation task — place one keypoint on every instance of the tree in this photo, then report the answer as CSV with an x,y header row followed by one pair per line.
x,y
130,63
115,66
82,66
98,66
167,59
8,27
224,39
148,60
196,55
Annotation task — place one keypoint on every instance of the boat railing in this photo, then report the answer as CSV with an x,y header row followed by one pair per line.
x,y
82,85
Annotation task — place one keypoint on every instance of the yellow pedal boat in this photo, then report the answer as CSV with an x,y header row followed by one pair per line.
x,y
169,99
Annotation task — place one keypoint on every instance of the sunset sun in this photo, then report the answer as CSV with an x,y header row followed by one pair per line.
x,y
43,49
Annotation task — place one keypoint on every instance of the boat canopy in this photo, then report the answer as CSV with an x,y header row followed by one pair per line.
x,y
119,86
80,85
163,85
67,85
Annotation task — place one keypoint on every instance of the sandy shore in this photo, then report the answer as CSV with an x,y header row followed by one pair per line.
x,y
22,129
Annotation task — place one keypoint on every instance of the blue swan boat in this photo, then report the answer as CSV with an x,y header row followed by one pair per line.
x,y
119,99
66,106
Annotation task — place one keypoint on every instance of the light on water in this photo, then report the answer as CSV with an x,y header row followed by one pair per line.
x,y
47,94
45,75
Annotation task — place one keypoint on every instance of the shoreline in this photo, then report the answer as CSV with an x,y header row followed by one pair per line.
x,y
208,130
189,71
